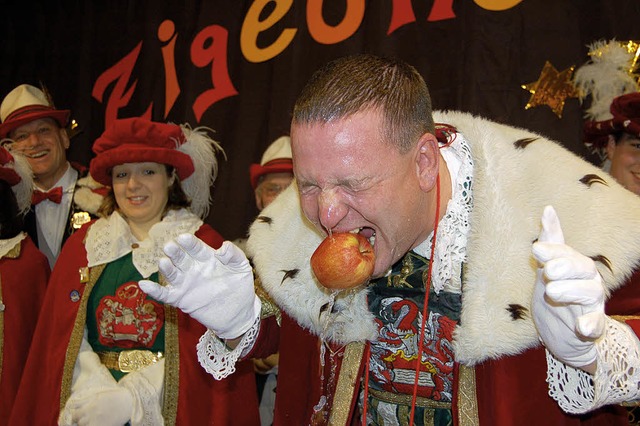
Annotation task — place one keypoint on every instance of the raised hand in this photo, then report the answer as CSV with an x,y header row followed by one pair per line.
x,y
568,301
214,286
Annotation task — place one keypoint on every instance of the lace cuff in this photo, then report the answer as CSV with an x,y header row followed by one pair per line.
x,y
216,358
146,388
616,379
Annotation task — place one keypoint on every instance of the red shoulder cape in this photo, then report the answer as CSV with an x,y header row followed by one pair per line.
x,y
201,399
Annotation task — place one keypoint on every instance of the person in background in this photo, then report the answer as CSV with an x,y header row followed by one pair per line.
x,y
114,355
618,140
24,272
269,178
447,330
63,198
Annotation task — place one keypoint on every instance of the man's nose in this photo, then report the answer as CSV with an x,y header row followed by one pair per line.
x,y
27,142
331,209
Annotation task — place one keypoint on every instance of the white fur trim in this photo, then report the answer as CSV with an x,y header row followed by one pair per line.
x,y
511,188
85,197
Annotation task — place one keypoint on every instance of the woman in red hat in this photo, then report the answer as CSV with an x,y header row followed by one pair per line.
x,y
115,355
617,139
24,272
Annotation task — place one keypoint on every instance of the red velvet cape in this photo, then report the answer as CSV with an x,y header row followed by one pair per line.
x,y
202,400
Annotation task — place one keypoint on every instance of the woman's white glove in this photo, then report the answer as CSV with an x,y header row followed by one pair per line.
x,y
104,408
214,286
568,300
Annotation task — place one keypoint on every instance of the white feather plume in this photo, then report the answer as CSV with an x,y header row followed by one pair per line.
x,y
202,149
24,188
607,75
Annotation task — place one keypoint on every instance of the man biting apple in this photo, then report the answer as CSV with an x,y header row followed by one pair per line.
x,y
445,331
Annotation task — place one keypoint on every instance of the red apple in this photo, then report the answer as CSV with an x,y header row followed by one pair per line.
x,y
343,260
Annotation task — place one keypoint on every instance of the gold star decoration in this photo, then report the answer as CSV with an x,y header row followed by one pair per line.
x,y
552,88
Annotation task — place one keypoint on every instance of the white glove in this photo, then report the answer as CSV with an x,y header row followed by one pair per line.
x,y
104,408
214,286
568,300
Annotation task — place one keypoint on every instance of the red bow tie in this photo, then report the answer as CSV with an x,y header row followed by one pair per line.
x,y
55,195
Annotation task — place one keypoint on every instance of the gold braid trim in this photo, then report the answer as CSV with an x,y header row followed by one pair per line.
x,y
269,307
76,335
625,318
347,380
14,253
171,363
467,401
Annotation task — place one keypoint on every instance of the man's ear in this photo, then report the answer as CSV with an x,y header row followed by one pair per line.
x,y
258,200
611,146
66,142
427,161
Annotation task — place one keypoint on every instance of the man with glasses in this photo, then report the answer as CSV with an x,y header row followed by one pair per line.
x,y
32,126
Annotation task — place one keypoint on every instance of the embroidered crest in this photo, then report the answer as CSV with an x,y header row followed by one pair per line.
x,y
129,319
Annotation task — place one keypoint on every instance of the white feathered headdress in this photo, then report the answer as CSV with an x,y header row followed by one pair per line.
x,y
608,74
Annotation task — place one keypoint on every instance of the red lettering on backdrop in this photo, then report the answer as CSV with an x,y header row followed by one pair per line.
x,y
326,34
441,10
166,32
401,14
120,95
252,26
210,47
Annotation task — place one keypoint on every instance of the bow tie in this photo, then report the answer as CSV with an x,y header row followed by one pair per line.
x,y
55,195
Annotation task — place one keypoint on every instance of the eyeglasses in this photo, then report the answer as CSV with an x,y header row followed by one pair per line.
x,y
272,189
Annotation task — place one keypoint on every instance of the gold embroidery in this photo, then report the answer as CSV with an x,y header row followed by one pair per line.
x,y
171,363
400,280
347,380
467,402
404,399
269,307
76,335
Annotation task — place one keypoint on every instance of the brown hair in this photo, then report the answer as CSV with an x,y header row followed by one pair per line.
x,y
356,83
177,197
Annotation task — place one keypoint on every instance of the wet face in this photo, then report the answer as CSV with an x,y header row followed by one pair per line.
x,y
270,186
44,144
351,179
141,191
625,161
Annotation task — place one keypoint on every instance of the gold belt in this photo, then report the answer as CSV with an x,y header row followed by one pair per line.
x,y
129,360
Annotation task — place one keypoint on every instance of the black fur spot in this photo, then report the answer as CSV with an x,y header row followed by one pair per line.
x,y
602,259
289,274
323,308
265,219
517,311
591,179
522,143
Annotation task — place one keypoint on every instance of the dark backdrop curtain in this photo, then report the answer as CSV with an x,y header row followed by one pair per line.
x,y
473,59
